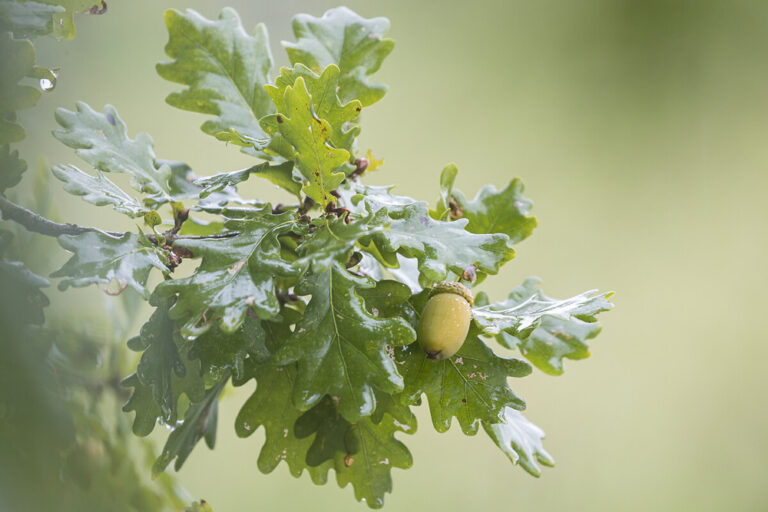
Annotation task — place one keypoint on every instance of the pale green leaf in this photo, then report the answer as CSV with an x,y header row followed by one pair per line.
x,y
545,329
520,440
225,69
351,42
498,211
325,102
319,162
27,18
102,258
101,139
98,190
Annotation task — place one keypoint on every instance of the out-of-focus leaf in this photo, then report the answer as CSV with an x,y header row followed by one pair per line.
x,y
546,330
18,62
498,211
343,38
22,301
520,440
143,403
98,190
341,347
102,258
471,385
11,167
27,18
235,274
64,22
200,422
225,69
325,102
318,161
101,139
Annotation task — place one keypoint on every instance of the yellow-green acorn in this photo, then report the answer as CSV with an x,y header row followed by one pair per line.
x,y
445,320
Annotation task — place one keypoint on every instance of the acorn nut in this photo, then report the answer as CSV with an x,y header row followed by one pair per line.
x,y
445,320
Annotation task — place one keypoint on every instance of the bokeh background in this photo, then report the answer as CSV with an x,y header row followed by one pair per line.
x,y
639,128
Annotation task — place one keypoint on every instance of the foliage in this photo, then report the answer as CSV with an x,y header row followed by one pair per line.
x,y
317,301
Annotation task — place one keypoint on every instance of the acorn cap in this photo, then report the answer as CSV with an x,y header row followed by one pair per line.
x,y
455,288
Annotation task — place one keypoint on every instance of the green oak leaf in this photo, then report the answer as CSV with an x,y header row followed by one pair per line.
x,y
362,453
225,69
351,42
11,167
200,422
341,347
271,406
142,402
309,137
520,440
334,240
471,385
447,178
98,190
326,104
165,366
221,352
26,19
18,62
281,175
546,330
438,246
236,274
101,139
102,258
498,211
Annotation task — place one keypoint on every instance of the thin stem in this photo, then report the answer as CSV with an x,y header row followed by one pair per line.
x,y
39,224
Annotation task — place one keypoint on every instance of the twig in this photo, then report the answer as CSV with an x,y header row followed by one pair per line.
x,y
39,224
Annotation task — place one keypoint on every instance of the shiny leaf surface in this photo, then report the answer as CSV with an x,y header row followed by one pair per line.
x,y
102,140
102,258
224,68
236,274
546,330
341,348
471,385
98,190
351,42
520,440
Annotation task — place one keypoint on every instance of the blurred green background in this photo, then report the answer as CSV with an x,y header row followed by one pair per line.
x,y
639,128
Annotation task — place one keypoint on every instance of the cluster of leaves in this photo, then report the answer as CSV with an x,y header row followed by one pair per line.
x,y
316,301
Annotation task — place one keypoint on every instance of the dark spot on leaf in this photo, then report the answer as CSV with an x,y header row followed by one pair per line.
x,y
358,109
111,119
279,118
463,400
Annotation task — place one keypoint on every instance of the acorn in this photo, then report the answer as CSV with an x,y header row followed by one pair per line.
x,y
445,320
